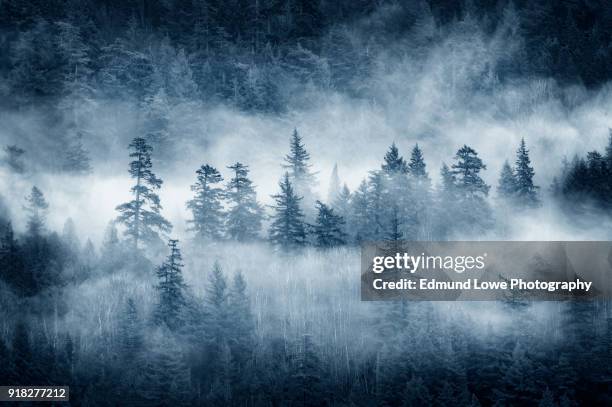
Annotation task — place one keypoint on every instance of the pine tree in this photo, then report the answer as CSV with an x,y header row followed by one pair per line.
x,y
421,194
393,162
328,229
141,216
417,167
466,172
506,188
334,186
157,126
297,164
171,289
288,228
206,206
470,212
76,158
216,306
245,214
342,204
526,191
37,211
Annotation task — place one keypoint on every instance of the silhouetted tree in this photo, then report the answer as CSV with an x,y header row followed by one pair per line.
x,y
141,216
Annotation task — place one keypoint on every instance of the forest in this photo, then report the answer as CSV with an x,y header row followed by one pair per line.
x,y
185,185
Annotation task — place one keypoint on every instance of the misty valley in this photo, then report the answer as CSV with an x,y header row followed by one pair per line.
x,y
185,186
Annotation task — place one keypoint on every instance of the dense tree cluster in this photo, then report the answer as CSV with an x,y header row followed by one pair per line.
x,y
586,183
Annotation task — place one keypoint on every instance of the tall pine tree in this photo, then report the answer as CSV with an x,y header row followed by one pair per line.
x,y
37,211
297,164
206,207
328,229
288,229
526,191
141,216
171,289
243,222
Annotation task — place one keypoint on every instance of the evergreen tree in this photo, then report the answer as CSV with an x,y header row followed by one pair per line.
x,y
245,214
393,162
37,211
466,172
216,306
334,186
287,229
329,227
297,164
171,289
206,207
141,216
417,167
471,211
526,191
76,158
342,204
506,188
421,194
165,378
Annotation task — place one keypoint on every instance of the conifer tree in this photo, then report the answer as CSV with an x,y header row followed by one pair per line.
x,y
471,211
466,171
76,158
417,167
334,186
329,227
37,211
141,216
421,194
288,229
245,214
343,202
171,289
393,162
216,307
297,164
506,188
526,191
206,206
